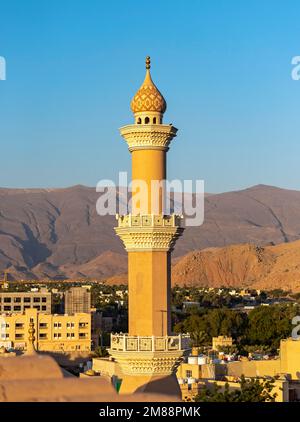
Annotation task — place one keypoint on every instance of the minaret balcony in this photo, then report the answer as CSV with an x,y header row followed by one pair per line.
x,y
148,136
149,232
149,220
148,356
127,343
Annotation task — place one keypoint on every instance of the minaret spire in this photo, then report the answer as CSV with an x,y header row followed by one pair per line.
x,y
148,62
148,99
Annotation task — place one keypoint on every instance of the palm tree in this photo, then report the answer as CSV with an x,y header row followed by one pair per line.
x,y
199,338
101,352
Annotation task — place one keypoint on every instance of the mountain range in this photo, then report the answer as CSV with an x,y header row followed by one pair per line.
x,y
49,233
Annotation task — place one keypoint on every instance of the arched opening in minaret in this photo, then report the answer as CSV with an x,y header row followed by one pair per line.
x,y
139,121
154,120
147,120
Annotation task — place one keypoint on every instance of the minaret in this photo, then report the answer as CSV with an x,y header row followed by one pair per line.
x,y
31,339
149,352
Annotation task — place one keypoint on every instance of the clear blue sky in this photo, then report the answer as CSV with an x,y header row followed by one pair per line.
x,y
224,68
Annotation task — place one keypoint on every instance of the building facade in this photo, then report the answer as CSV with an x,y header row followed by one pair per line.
x,y
77,300
52,333
198,372
221,341
100,325
149,353
18,302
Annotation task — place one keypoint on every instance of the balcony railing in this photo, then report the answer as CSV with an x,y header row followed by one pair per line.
x,y
126,343
149,220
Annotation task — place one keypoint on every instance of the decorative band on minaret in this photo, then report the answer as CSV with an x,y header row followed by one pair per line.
x,y
148,350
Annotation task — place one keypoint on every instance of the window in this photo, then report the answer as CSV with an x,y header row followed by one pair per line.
x,y
19,336
27,299
188,374
26,306
82,335
139,121
36,299
57,335
57,325
83,324
44,299
19,325
4,336
70,335
17,308
7,308
154,120
17,300
36,307
44,308
43,325
7,300
43,336
147,120
70,324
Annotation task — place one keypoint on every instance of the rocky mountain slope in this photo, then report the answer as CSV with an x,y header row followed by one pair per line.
x,y
240,266
244,265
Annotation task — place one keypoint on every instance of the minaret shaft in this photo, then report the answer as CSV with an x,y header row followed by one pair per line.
x,y
149,271
149,293
149,166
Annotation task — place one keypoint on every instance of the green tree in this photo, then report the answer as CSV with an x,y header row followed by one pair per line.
x,y
276,293
213,322
251,390
101,352
228,349
226,322
199,338
269,324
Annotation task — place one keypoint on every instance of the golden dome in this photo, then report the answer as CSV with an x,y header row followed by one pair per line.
x,y
148,97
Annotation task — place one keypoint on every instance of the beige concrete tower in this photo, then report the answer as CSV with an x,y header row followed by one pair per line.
x,y
148,354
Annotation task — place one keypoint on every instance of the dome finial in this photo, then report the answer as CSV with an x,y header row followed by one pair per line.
x,y
148,62
148,97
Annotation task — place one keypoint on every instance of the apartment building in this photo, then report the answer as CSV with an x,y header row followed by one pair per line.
x,y
18,302
53,332
77,300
